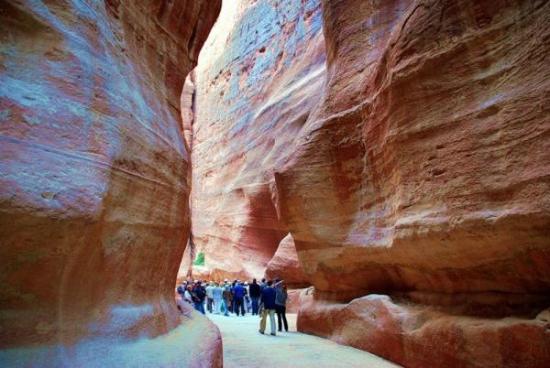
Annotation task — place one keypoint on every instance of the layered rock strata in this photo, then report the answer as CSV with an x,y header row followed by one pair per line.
x,y
259,75
425,169
93,189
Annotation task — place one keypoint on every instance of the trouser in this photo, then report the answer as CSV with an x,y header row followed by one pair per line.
x,y
209,302
271,313
255,305
248,305
239,306
217,305
281,314
225,306
199,306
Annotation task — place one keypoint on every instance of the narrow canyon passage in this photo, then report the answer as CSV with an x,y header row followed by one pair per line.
x,y
243,346
389,160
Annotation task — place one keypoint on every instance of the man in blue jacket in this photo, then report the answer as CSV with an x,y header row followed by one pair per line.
x,y
238,297
268,301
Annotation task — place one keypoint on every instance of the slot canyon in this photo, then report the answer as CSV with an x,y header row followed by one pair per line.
x,y
390,160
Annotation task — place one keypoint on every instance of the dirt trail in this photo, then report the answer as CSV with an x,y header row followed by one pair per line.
x,y
243,346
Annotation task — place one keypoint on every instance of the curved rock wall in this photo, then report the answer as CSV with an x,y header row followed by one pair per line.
x,y
414,166
425,169
259,75
94,197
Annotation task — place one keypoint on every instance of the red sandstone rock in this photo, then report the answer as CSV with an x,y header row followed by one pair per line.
x,y
293,301
417,335
285,265
259,75
425,167
422,165
93,190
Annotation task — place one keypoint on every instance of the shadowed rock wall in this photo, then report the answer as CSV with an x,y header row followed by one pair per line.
x,y
424,174
93,190
259,75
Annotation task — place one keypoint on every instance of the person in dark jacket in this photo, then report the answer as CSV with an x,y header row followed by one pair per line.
x,y
255,293
238,294
280,305
199,294
268,302
227,298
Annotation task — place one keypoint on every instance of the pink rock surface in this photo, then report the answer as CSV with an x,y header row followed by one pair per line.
x,y
417,161
285,265
93,189
424,335
259,75
426,168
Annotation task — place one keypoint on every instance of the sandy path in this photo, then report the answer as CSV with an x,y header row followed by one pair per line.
x,y
243,346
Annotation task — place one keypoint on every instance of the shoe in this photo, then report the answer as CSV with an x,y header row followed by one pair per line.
x,y
261,332
272,334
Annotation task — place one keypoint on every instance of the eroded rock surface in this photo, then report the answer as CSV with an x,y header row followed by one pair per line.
x,y
416,166
285,265
426,168
259,75
93,189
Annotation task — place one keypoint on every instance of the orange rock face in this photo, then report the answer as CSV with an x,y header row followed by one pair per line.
x,y
259,75
285,265
93,189
426,168
428,335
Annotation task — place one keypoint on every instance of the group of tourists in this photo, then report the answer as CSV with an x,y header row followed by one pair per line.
x,y
265,298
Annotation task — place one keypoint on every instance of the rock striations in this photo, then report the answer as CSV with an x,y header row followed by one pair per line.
x,y
424,174
93,189
412,172
259,74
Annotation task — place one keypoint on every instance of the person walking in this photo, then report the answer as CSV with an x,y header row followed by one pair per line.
x,y
238,294
247,302
199,294
226,295
255,293
281,296
268,302
209,296
217,294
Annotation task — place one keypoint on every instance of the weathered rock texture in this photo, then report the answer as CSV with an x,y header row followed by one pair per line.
x,y
285,265
416,165
258,77
93,190
426,168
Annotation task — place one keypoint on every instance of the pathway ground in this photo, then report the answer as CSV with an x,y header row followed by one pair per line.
x,y
245,347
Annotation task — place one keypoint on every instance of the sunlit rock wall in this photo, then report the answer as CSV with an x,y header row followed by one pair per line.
x,y
424,172
259,75
93,190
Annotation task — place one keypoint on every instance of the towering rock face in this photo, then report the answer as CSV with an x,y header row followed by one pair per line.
x,y
93,190
259,75
425,171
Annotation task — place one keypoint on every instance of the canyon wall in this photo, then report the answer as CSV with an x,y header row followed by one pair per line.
x,y
93,189
259,74
412,172
423,175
